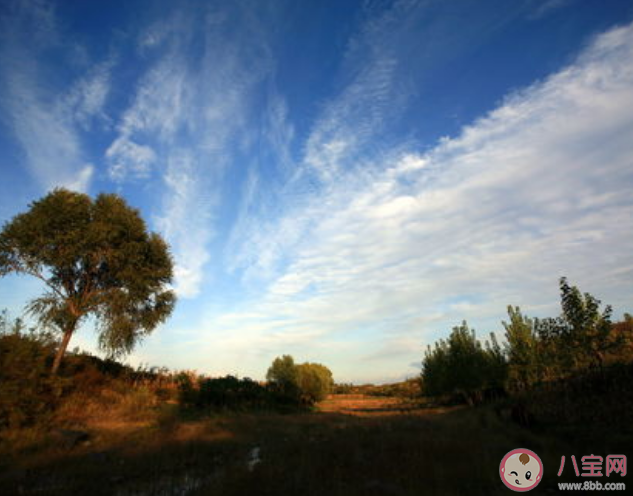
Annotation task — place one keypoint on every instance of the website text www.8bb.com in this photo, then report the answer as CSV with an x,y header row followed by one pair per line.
x,y
592,486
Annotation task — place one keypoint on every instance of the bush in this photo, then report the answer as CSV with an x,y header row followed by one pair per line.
x,y
305,383
187,390
27,391
314,381
600,398
232,393
86,386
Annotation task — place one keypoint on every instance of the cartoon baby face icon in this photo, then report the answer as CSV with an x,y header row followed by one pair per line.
x,y
521,470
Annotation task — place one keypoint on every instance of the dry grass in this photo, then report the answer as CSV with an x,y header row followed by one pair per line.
x,y
354,445
108,406
361,405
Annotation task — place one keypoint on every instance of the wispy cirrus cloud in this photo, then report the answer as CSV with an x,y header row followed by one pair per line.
x,y
187,220
372,94
43,119
536,189
187,122
340,138
151,121
357,128
542,8
87,98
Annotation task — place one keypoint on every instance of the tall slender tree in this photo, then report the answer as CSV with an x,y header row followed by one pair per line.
x,y
588,330
521,349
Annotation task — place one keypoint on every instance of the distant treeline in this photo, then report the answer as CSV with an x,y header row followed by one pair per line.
x,y
407,389
582,341
288,386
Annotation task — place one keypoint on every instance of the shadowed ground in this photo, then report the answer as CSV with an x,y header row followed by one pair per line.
x,y
353,445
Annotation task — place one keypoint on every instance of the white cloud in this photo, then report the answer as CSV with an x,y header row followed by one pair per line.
x,y
349,122
186,222
186,124
279,133
348,134
537,189
128,158
38,116
88,96
155,115
50,142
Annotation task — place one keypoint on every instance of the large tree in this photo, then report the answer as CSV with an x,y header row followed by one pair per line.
x,y
96,257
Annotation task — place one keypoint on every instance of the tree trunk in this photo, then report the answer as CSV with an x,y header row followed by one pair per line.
x,y
62,348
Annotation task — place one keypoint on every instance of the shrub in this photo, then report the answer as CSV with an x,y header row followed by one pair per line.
x,y
232,393
314,381
86,386
461,366
306,383
27,392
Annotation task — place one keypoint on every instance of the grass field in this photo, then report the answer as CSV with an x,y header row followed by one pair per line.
x,y
353,445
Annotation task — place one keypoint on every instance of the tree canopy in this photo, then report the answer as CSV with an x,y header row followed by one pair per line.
x,y
309,382
96,257
283,373
521,349
460,365
315,381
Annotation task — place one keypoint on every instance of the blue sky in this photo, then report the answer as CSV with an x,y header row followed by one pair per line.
x,y
340,181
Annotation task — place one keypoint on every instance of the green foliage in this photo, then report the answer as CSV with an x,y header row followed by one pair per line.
x,y
314,381
27,392
587,331
187,390
96,258
623,335
581,337
495,364
600,398
230,393
85,386
306,382
283,375
536,350
289,386
461,366
234,394
521,349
